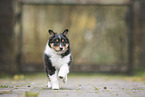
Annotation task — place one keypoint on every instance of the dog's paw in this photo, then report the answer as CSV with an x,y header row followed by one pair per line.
x,y
49,85
55,86
65,80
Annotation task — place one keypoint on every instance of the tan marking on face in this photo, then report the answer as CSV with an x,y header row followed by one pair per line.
x,y
65,47
56,40
62,40
56,48
52,44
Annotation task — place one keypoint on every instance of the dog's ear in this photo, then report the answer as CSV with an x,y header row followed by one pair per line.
x,y
51,33
65,32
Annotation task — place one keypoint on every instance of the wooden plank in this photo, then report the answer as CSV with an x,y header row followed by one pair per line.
x,y
80,68
98,68
78,2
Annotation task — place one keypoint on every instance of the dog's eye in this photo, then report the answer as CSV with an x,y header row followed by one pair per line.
x,y
64,44
56,44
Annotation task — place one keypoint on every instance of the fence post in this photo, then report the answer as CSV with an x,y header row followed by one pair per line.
x,y
129,21
19,55
139,30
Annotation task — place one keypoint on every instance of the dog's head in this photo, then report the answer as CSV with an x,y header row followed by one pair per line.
x,y
58,42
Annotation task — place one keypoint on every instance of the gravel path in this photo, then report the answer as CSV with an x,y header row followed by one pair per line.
x,y
77,86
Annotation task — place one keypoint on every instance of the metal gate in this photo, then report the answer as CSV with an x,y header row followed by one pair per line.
x,y
100,34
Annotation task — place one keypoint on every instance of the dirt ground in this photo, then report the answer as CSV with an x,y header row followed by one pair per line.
x,y
79,85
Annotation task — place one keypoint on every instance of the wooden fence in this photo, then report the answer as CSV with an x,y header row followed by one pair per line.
x,y
100,34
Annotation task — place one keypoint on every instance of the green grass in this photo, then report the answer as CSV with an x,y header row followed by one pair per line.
x,y
4,86
31,94
139,75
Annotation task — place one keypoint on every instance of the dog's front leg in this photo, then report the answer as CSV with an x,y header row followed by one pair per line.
x,y
64,70
54,81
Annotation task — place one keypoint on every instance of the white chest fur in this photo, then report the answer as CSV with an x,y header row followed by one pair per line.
x,y
55,58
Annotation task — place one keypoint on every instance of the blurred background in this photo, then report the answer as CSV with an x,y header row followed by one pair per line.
x,y
105,35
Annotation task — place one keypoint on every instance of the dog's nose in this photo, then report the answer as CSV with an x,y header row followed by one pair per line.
x,y
61,48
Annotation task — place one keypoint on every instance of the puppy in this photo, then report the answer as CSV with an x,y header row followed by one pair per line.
x,y
57,58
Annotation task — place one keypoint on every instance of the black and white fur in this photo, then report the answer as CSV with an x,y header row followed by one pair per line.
x,y
57,58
